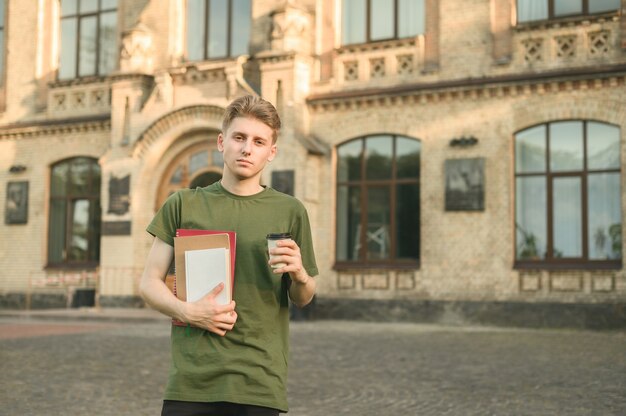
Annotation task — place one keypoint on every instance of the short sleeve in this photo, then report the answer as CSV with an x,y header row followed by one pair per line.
x,y
167,219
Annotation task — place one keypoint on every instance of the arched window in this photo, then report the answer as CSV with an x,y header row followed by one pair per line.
x,y
197,166
74,223
378,202
567,192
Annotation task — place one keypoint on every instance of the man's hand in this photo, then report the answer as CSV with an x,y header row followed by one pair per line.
x,y
206,313
303,288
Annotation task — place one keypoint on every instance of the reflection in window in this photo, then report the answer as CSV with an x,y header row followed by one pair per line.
x,y
372,20
74,227
532,10
88,38
378,200
217,28
568,193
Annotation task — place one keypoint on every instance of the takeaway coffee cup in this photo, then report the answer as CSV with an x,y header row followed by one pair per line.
x,y
271,243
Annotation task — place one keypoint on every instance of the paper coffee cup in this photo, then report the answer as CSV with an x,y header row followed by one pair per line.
x,y
271,243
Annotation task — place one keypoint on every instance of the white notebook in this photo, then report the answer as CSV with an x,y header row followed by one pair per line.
x,y
204,270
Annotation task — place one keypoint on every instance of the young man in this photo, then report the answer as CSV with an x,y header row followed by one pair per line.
x,y
232,360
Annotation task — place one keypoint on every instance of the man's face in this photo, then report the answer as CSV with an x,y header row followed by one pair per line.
x,y
247,146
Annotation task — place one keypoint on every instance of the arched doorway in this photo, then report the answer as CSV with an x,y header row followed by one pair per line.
x,y
198,165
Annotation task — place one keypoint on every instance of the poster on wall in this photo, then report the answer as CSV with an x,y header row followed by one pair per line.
x,y
16,205
465,184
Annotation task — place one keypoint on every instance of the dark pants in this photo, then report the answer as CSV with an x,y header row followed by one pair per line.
x,y
176,408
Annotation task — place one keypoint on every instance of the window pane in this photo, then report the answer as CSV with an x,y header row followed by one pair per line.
x,y
407,158
217,41
349,161
567,217
56,231
382,17
530,150
108,43
529,10
353,21
67,63
79,176
378,221
217,158
602,146
58,185
240,27
2,7
530,217
69,7
566,146
407,217
79,243
348,222
411,18
177,176
196,13
93,233
605,217
88,6
108,4
596,6
564,7
198,161
87,46
378,156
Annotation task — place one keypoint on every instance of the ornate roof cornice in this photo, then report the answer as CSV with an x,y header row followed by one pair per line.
x,y
55,127
475,88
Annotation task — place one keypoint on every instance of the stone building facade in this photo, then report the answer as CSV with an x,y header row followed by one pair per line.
x,y
461,161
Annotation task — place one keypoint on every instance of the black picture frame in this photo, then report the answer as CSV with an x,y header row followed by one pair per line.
x,y
465,184
16,204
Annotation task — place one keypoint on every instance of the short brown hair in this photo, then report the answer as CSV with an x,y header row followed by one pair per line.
x,y
254,107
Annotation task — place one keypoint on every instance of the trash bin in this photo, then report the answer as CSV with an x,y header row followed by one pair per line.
x,y
84,297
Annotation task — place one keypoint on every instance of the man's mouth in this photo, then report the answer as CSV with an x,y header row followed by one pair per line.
x,y
244,161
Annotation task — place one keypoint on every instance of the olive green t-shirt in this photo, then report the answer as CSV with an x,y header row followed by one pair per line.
x,y
249,364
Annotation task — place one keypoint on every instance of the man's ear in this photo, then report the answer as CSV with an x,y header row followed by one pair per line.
x,y
220,142
273,152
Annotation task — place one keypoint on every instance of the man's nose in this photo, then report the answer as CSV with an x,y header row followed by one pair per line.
x,y
247,145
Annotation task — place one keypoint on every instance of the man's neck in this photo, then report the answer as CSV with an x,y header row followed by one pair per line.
x,y
242,188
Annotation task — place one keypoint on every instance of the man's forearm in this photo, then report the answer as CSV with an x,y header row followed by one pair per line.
x,y
302,292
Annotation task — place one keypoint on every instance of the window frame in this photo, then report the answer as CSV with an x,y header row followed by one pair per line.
x,y
94,199
230,33
551,13
79,16
363,184
368,25
551,262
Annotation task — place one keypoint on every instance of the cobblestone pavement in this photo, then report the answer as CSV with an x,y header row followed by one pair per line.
x,y
337,368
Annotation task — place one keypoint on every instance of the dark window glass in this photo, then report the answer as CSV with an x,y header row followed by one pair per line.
x,y
568,194
378,201
88,38
371,20
74,228
217,28
532,10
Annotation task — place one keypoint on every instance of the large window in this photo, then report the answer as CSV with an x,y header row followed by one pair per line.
x,y
378,201
568,194
530,10
217,28
74,229
372,20
88,38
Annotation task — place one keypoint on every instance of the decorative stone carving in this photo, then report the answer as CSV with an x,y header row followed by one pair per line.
x,y
533,50
377,67
565,46
291,28
137,52
599,44
405,64
351,70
